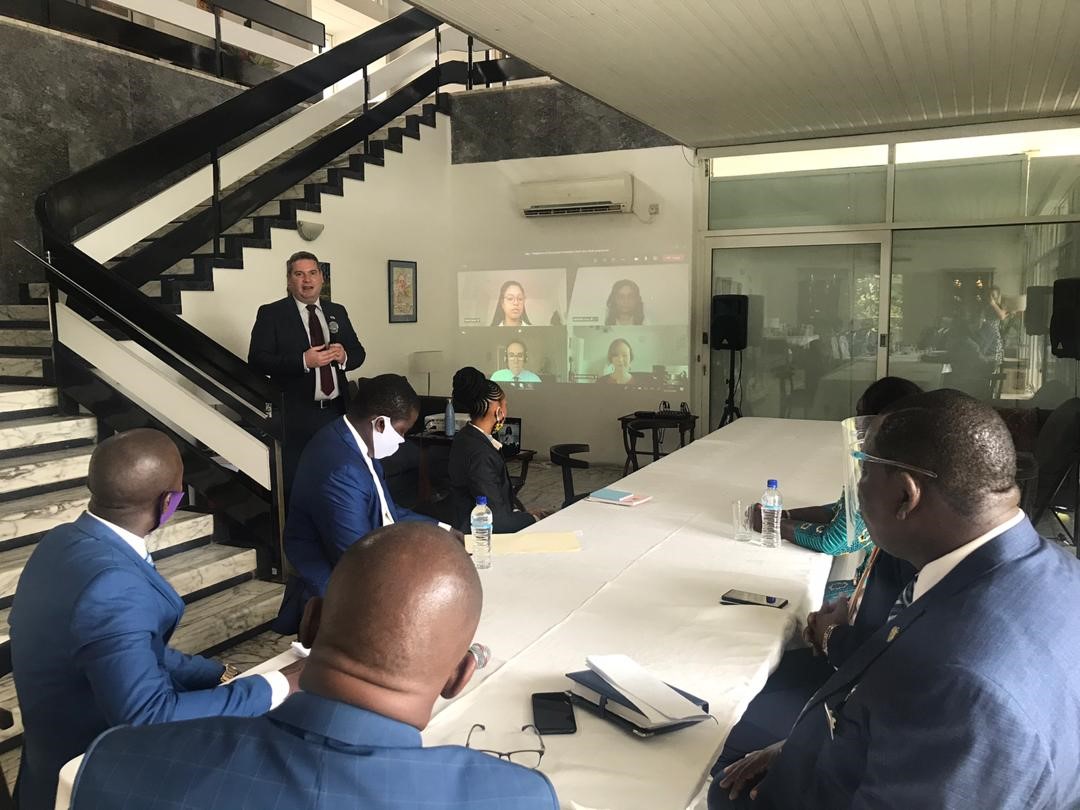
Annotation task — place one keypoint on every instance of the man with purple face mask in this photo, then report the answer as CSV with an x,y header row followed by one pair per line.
x,y
92,619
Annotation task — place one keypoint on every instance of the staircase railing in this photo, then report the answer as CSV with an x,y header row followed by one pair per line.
x,y
131,361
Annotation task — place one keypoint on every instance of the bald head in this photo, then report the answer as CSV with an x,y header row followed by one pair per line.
x,y
952,476
394,629
129,474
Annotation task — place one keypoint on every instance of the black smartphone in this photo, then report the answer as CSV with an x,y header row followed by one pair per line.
x,y
553,713
735,597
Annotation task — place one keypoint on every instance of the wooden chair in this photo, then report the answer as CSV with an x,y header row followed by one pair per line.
x,y
562,456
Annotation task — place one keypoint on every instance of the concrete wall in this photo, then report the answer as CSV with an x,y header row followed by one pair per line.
x,y
67,103
542,120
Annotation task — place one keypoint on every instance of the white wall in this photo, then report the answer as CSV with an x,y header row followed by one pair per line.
x,y
451,218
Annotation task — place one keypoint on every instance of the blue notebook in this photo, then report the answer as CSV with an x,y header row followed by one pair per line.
x,y
615,495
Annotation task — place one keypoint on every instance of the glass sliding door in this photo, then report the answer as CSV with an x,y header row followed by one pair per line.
x,y
814,326
976,311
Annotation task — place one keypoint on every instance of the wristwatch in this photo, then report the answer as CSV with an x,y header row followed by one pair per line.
x,y
825,638
229,673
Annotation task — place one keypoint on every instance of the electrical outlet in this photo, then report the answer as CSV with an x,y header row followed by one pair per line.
x,y
654,209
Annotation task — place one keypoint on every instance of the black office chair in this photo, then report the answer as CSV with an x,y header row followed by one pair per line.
x,y
7,720
1057,454
562,456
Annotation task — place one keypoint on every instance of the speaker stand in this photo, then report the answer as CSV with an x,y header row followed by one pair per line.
x,y
731,410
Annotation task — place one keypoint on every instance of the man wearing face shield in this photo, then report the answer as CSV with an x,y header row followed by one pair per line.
x,y
92,619
340,494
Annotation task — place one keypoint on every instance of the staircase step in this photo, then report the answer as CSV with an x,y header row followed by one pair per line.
x,y
206,566
215,619
16,398
24,312
44,469
23,368
16,434
39,513
185,527
38,291
30,338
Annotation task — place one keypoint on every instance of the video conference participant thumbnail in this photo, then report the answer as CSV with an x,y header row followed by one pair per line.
x,y
512,298
515,370
641,357
521,358
637,295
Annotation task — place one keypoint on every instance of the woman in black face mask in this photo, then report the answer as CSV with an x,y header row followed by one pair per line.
x,y
476,465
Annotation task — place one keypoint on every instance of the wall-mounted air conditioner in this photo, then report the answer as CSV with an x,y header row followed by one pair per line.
x,y
594,195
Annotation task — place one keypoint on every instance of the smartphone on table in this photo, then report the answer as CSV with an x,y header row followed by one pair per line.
x,y
737,597
553,713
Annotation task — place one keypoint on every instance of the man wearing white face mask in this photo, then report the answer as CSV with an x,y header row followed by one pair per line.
x,y
339,494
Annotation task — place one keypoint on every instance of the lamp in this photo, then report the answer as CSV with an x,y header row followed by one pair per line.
x,y
425,363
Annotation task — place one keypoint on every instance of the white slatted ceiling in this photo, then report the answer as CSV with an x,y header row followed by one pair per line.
x,y
719,72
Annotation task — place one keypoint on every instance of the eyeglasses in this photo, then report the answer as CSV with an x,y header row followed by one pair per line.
x,y
514,299
528,757
859,455
516,355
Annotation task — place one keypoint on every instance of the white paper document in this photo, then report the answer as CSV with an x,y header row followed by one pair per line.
x,y
658,701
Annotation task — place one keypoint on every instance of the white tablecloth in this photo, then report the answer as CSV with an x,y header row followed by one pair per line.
x,y
647,583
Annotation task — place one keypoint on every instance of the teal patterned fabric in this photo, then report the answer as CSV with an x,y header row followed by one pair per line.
x,y
831,538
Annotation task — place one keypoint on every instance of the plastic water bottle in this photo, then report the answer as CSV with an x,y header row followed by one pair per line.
x,y
480,520
450,426
772,506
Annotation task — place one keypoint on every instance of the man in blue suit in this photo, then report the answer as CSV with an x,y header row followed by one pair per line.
x,y
392,635
92,618
340,494
968,696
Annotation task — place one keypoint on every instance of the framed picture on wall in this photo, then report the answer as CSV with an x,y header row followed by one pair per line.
x,y
401,290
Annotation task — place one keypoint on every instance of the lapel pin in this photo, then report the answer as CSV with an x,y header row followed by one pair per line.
x,y
892,635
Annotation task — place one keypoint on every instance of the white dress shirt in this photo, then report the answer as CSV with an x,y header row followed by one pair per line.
x,y
279,684
302,307
387,518
933,572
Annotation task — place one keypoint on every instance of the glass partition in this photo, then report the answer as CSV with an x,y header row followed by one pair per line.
x,y
821,187
813,336
978,310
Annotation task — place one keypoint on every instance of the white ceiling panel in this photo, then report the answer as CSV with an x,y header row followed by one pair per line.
x,y
722,72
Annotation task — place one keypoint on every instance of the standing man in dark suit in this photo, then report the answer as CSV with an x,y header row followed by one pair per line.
x,y
305,346
967,697
392,635
92,619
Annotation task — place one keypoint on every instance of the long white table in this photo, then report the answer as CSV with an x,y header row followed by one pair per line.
x,y
647,583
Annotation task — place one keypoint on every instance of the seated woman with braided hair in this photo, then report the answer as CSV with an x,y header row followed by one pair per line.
x,y
476,465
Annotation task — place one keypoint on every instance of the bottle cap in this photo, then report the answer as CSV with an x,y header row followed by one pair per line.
x,y
481,500
772,483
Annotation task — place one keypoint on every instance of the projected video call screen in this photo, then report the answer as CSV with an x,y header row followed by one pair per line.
x,y
621,326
